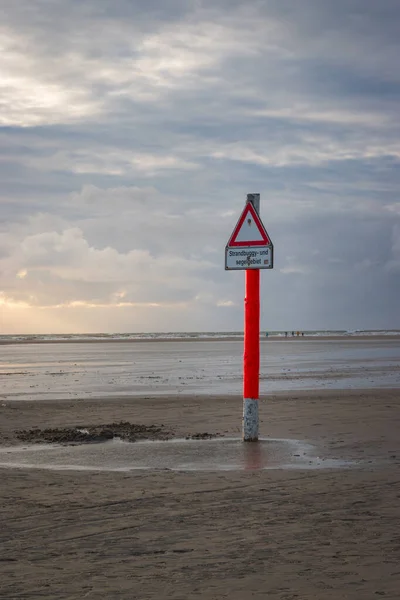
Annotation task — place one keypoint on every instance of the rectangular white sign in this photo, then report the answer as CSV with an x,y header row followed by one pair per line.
x,y
253,257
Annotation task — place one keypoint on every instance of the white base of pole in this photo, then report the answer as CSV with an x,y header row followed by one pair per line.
x,y
250,420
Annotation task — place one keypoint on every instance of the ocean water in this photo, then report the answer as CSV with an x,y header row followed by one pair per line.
x,y
59,371
205,335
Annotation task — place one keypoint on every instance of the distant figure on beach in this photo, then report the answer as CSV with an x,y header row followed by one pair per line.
x,y
292,333
302,334
266,334
285,333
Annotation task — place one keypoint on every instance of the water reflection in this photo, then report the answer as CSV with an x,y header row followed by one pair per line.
x,y
176,455
255,456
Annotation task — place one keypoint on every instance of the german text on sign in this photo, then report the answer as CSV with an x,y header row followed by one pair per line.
x,y
250,257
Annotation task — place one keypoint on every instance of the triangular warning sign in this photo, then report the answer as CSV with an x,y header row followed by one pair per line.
x,y
249,230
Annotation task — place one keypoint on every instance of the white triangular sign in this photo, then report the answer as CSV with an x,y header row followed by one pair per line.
x,y
249,230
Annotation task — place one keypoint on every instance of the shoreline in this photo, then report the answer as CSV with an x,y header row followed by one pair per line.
x,y
68,370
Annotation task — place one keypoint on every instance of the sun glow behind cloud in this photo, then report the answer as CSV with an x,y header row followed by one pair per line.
x,y
131,135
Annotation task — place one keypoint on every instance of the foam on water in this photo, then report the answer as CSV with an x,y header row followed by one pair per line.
x,y
182,335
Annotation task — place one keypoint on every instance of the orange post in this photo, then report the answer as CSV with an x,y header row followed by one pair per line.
x,y
250,249
251,357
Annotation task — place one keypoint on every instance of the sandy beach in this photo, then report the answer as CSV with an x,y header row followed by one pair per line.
x,y
279,534
199,300
254,532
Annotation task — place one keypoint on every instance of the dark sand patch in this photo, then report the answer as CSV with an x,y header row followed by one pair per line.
x,y
86,434
83,434
203,436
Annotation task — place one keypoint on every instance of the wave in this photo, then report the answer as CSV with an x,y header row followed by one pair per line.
x,y
32,338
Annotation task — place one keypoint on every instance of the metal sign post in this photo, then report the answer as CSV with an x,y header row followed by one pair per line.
x,y
250,249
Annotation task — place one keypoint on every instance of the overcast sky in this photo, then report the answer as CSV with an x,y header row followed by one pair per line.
x,y
132,130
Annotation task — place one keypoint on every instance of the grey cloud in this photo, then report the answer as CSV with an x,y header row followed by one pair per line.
x,y
142,126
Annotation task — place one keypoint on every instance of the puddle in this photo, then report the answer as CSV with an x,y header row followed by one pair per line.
x,y
221,454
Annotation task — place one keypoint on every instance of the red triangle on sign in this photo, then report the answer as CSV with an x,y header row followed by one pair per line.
x,y
249,230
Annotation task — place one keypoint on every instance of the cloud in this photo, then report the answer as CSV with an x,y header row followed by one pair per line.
x,y
131,133
393,264
56,262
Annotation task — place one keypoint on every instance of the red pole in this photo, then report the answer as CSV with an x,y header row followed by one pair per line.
x,y
251,357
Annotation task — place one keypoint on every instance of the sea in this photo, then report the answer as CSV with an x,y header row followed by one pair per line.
x,y
205,335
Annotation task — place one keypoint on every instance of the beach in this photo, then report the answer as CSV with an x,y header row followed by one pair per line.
x,y
301,533
112,369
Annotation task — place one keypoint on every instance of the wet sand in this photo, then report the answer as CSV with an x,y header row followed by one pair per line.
x,y
326,534
65,371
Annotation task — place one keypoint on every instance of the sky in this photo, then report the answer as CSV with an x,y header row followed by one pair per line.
x,y
131,132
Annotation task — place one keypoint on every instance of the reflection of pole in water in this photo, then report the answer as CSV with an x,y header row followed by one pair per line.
x,y
253,456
